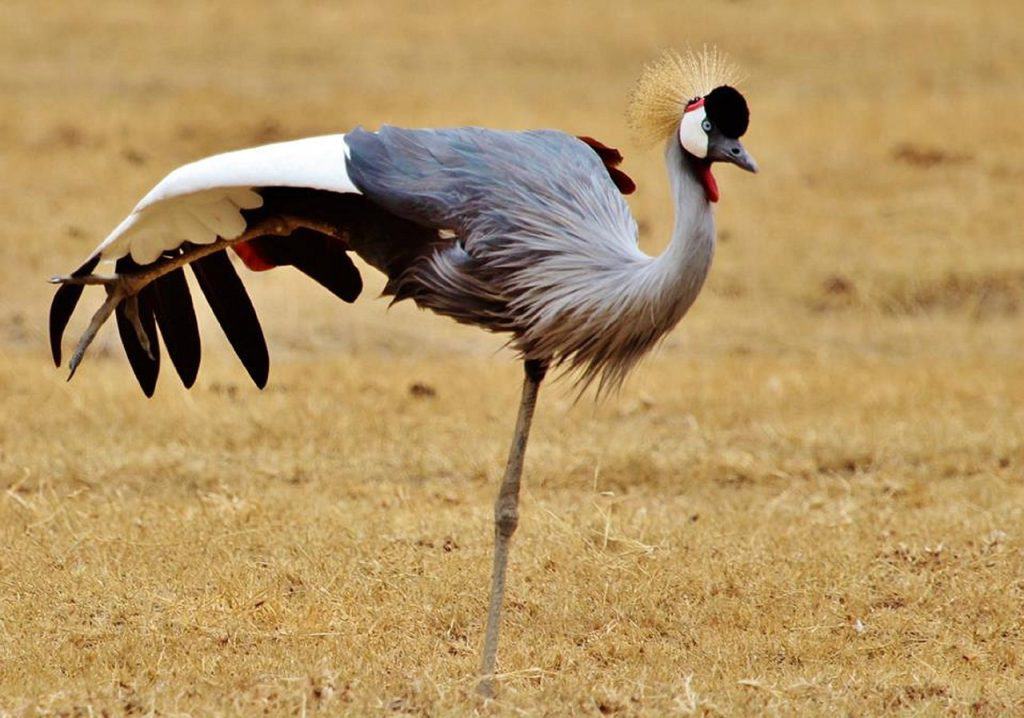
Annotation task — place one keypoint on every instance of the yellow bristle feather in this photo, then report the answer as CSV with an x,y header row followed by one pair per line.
x,y
666,86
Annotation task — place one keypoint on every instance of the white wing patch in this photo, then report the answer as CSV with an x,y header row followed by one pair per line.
x,y
202,201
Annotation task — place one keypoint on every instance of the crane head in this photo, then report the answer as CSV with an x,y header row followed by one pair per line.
x,y
692,100
711,127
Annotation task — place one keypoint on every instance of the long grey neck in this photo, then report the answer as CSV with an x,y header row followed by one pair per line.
x,y
683,266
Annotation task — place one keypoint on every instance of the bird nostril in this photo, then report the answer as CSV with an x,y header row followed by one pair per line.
x,y
735,150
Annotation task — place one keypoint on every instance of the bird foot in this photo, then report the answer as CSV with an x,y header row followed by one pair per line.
x,y
120,288
125,287
485,688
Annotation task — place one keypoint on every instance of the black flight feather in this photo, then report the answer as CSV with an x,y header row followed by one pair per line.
x,y
176,317
145,365
234,311
320,257
63,306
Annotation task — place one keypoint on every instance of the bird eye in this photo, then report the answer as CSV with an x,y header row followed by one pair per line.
x,y
706,125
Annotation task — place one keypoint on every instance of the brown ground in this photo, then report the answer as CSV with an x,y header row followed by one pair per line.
x,y
809,501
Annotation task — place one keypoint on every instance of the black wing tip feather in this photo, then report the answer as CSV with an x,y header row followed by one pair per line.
x,y
326,262
320,257
235,313
145,365
167,303
65,299
176,317
261,383
61,308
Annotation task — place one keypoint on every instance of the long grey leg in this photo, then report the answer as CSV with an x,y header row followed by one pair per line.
x,y
506,519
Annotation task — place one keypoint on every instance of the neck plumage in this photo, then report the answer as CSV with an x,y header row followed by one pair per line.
x,y
679,272
650,298
629,300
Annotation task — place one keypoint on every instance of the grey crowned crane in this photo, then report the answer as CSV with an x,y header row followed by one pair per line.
x,y
523,233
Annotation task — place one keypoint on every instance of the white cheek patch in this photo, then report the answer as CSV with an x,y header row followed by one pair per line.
x,y
692,136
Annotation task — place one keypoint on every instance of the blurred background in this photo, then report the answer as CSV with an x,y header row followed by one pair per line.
x,y
849,382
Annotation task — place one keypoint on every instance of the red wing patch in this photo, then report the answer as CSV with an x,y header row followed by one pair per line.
x,y
612,158
250,254
320,257
622,180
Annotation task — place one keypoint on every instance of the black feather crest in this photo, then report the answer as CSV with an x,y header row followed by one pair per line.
x,y
727,110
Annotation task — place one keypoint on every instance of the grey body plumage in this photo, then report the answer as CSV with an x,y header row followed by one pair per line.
x,y
544,246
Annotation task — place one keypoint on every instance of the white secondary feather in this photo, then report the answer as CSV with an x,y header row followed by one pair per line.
x,y
202,201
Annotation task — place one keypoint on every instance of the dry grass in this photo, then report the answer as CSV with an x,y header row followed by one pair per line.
x,y
808,502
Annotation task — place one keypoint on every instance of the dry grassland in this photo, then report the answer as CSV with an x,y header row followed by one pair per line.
x,y
809,501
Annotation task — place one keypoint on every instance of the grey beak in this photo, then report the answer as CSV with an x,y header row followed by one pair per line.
x,y
738,155
729,149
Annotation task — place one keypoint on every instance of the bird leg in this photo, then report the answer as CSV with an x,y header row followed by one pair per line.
x,y
506,519
114,297
127,285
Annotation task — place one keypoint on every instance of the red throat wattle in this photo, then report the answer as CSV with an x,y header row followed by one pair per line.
x,y
708,180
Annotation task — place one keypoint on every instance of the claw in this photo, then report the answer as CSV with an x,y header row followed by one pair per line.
x,y
119,288
106,280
